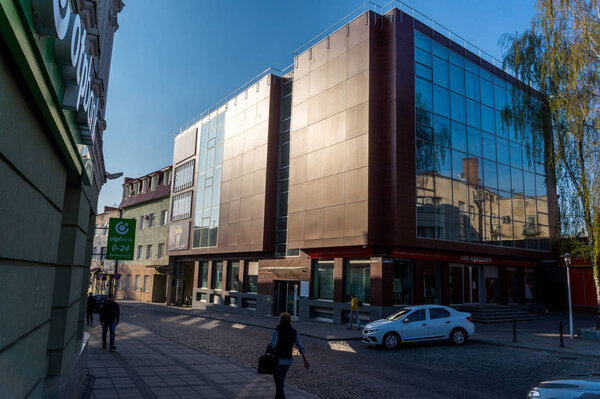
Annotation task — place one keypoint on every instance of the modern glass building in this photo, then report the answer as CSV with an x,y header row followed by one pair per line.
x,y
382,165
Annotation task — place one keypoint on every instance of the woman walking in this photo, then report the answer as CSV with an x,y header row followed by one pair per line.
x,y
282,341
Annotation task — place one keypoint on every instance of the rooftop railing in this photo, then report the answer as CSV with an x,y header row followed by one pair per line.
x,y
382,10
242,88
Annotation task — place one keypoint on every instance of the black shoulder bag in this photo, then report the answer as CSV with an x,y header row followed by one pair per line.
x,y
267,362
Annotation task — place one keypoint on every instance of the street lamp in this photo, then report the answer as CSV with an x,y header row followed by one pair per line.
x,y
567,258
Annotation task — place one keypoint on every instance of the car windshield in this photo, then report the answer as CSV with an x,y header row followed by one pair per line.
x,y
397,315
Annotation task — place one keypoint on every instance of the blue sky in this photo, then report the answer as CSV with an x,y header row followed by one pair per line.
x,y
173,60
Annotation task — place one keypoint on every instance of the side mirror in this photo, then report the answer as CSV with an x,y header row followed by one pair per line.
x,y
406,320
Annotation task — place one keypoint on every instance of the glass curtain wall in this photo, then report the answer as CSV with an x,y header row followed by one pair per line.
x,y
323,280
478,179
210,155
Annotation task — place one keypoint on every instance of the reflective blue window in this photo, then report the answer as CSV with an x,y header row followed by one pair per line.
x,y
457,107
469,66
474,143
517,180
423,71
487,119
423,94
540,186
423,57
457,59
459,136
487,92
440,72
472,85
473,113
458,172
441,101
443,158
440,50
490,175
539,168
504,178
501,127
457,79
500,98
424,156
424,132
503,150
529,182
489,146
422,41
515,155
442,131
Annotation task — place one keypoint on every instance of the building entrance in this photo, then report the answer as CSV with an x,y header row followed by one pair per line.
x,y
285,295
464,283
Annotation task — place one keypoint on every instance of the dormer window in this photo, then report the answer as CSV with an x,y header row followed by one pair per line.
x,y
136,188
153,182
125,192
144,185
167,178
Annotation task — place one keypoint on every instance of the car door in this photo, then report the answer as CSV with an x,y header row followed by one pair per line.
x,y
414,326
439,322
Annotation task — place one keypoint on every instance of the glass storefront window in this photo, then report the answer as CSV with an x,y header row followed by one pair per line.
x,y
251,280
432,283
233,272
323,279
203,275
357,278
217,275
402,282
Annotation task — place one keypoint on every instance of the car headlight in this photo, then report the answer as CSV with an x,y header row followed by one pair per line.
x,y
370,330
534,393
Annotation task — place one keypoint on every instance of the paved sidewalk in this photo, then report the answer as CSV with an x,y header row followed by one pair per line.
x,y
542,334
147,365
534,334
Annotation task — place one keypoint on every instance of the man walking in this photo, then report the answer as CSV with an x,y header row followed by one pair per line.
x,y
91,304
109,318
354,312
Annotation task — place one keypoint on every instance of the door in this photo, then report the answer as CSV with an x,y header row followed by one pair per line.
x,y
464,284
439,323
414,326
285,297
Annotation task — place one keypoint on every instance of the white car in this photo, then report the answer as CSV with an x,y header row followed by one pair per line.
x,y
420,323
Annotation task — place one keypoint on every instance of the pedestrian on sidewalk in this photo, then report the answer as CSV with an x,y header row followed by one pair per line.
x,y
282,341
354,305
91,304
109,318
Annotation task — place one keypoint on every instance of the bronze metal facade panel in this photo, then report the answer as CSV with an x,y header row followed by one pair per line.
x,y
329,157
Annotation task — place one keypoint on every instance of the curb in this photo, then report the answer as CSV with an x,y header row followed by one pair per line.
x,y
512,345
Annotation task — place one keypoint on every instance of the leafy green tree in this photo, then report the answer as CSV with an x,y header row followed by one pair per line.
x,y
559,55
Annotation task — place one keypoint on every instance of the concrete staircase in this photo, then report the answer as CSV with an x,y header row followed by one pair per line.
x,y
493,313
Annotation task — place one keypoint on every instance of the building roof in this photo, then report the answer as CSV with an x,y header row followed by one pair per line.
x,y
160,191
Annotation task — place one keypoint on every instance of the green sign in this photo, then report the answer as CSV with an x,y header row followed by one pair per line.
x,y
121,239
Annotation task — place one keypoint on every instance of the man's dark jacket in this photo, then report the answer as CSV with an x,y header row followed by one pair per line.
x,y
109,313
91,303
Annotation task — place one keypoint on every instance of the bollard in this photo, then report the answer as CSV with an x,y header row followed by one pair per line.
x,y
562,342
514,329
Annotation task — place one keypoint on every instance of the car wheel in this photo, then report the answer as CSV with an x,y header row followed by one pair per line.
x,y
391,340
458,336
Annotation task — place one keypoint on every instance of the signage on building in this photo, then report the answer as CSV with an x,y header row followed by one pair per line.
x,y
121,239
54,18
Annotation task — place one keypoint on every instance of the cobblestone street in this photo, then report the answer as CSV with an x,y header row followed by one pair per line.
x,y
348,369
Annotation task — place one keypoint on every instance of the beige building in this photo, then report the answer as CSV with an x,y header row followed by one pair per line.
x,y
101,269
146,199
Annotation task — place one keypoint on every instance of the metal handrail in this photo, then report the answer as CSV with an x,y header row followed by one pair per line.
x,y
403,7
224,100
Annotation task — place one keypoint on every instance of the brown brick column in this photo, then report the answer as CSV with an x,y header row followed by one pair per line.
x,y
196,283
338,279
210,274
376,281
225,272
418,283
